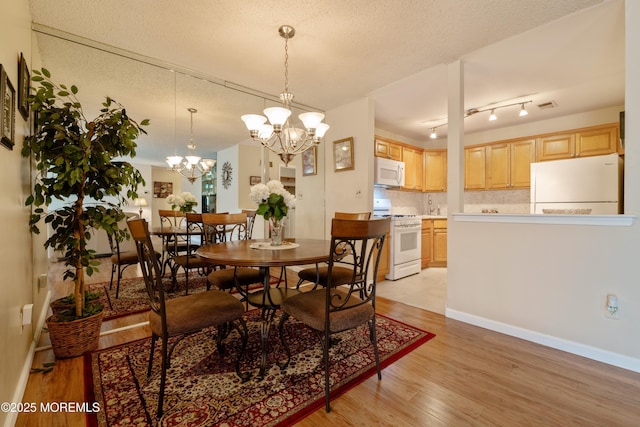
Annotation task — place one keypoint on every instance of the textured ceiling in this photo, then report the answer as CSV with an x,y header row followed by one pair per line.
x,y
393,51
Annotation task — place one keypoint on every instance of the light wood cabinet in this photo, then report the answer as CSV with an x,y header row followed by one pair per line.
x,y
593,141
509,164
474,168
388,149
439,254
384,266
427,242
413,167
435,171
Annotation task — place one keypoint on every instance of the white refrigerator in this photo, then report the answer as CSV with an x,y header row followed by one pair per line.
x,y
579,186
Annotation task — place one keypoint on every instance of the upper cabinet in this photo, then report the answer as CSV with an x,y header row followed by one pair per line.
x,y
435,171
474,168
413,168
508,164
387,149
593,141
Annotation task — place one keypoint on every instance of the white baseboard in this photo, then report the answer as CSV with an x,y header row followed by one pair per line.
x,y
18,394
579,349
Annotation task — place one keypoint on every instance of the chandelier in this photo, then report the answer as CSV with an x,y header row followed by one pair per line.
x,y
191,166
280,135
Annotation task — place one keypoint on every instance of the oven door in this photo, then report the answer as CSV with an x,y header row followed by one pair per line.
x,y
406,243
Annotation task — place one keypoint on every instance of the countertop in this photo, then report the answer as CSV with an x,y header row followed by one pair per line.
x,y
433,216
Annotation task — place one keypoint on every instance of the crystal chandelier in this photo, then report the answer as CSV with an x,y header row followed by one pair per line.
x,y
191,166
280,135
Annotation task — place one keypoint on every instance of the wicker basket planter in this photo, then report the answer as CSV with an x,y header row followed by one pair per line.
x,y
74,338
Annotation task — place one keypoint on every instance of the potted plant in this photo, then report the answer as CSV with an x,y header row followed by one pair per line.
x,y
75,160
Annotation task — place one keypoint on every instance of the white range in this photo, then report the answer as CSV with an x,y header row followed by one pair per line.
x,y
405,238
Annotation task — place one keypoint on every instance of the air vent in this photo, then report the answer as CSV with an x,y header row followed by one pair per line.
x,y
550,104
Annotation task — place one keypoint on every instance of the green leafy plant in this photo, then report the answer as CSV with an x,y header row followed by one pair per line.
x,y
74,158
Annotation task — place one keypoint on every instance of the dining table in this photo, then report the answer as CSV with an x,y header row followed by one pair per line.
x,y
261,254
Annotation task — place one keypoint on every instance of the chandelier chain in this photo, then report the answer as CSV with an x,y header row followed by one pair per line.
x,y
286,65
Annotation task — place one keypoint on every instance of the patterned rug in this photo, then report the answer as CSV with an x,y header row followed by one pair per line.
x,y
133,294
203,389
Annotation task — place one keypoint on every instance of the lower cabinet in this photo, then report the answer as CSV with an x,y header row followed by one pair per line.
x,y
434,243
384,266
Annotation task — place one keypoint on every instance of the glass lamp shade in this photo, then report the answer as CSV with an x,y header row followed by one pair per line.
x,y
277,115
209,163
174,161
193,160
253,121
311,120
265,132
321,129
140,202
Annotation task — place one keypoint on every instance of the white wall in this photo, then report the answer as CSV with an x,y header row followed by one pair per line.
x,y
548,283
351,120
23,257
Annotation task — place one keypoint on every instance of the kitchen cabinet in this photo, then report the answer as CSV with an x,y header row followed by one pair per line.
x,y
413,167
384,266
388,149
427,242
474,168
508,164
593,141
435,171
439,255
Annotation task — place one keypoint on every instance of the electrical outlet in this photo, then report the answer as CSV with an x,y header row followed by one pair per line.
x,y
611,308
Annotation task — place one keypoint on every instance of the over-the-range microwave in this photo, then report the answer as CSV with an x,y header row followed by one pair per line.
x,y
388,173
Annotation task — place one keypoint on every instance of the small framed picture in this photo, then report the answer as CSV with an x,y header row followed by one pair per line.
x,y
24,82
310,161
343,154
7,113
253,180
162,189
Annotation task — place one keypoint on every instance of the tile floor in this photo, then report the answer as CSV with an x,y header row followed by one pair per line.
x,y
426,290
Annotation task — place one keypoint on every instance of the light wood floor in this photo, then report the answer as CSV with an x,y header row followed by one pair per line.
x,y
464,376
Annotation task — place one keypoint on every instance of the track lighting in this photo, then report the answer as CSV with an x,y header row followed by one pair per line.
x,y
493,117
433,135
523,111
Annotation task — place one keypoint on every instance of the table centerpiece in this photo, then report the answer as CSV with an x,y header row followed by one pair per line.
x,y
273,203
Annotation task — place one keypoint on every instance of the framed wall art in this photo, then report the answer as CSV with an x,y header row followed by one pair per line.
x,y
254,179
162,189
343,154
7,112
310,161
24,82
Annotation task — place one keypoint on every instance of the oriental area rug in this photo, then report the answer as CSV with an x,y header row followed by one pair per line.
x,y
133,296
202,386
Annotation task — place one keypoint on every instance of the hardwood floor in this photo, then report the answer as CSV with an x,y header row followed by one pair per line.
x,y
464,376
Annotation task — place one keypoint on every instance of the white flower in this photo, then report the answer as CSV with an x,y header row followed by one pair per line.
x,y
260,194
181,200
189,198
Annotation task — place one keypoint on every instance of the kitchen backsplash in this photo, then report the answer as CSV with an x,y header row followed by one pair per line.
x,y
502,201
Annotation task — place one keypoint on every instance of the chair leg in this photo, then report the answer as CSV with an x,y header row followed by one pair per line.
x,y
154,338
118,285
241,326
113,269
283,319
374,341
163,376
325,358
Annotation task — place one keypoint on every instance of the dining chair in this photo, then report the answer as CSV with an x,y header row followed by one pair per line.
x,y
342,306
318,275
251,219
219,228
186,258
171,244
123,251
185,315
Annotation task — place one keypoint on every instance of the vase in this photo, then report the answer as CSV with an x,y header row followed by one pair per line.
x,y
276,230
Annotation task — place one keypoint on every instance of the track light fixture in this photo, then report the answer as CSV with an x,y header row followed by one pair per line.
x,y
492,116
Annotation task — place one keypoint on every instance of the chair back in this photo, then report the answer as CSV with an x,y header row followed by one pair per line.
x,y
150,266
353,215
227,227
363,240
119,240
171,219
251,218
195,228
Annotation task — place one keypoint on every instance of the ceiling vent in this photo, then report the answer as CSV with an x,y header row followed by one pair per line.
x,y
550,104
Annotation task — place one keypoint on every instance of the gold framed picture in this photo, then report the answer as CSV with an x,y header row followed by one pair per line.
x,y
343,154
310,161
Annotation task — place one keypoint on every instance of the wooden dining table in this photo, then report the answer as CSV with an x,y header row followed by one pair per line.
x,y
259,253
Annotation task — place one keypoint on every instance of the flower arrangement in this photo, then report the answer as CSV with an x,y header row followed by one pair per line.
x,y
185,201
273,203
272,199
